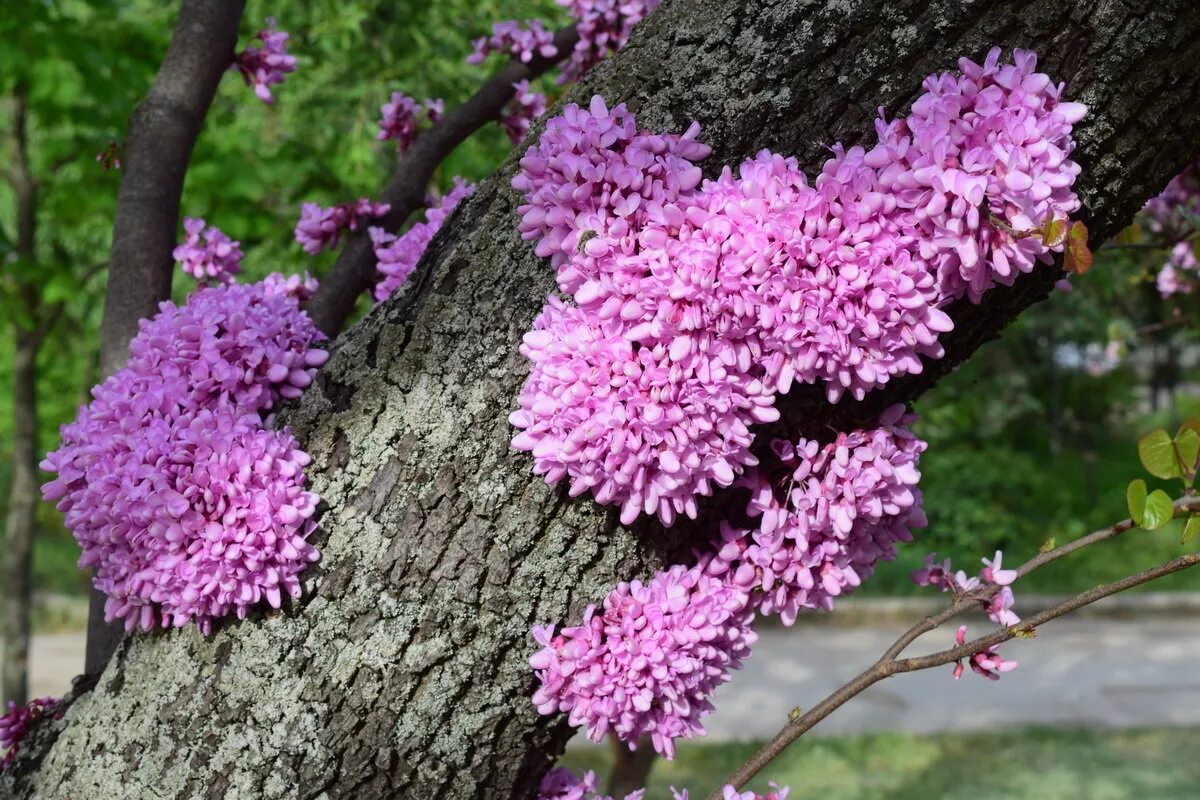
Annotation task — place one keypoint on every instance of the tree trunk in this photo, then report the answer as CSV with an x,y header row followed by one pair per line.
x,y
21,522
404,670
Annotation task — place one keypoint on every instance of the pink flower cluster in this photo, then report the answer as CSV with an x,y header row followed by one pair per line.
x,y
562,784
982,159
526,106
521,41
300,286
648,661
403,117
1178,275
15,724
267,66
320,228
730,793
185,505
604,27
1176,210
987,663
208,254
836,511
397,256
695,303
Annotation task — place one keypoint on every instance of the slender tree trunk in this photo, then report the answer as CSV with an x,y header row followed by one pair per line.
x,y
21,521
630,768
403,672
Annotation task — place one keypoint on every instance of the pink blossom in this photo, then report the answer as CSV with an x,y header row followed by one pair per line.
x,y
521,41
562,784
526,106
206,253
999,608
403,117
187,508
934,574
267,66
300,286
604,27
15,724
730,793
320,228
1178,275
986,663
990,144
648,661
992,573
397,256
1173,211
843,507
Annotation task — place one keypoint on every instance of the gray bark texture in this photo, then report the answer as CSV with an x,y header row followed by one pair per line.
x,y
403,671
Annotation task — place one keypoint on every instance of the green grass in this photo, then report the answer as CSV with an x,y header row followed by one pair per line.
x,y
1036,764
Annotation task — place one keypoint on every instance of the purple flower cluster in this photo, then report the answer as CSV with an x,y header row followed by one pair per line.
x,y
1176,210
735,288
208,254
402,119
521,41
730,793
981,160
604,27
397,256
266,66
15,724
526,106
301,286
320,228
648,662
187,508
835,512
1179,274
562,784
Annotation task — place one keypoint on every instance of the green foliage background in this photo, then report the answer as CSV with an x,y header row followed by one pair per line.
x,y
1021,448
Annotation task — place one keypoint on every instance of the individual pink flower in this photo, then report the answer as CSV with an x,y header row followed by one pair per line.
x,y
992,573
999,608
321,228
934,574
16,722
208,254
523,41
404,118
646,663
266,66
986,663
397,256
525,107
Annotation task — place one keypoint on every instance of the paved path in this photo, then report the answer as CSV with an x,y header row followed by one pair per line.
x,y
1085,672
1091,673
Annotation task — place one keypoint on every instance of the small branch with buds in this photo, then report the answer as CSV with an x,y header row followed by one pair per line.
x,y
890,663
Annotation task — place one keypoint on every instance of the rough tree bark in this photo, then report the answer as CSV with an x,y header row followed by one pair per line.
x,y
403,672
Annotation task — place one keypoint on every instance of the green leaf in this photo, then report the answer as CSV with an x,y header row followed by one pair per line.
x,y
1158,511
1135,498
1191,529
1187,447
1157,452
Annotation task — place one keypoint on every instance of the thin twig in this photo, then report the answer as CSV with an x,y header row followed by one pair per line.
x,y
354,271
890,664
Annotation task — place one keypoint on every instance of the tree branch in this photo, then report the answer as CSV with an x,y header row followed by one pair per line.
x,y
162,132
354,271
889,664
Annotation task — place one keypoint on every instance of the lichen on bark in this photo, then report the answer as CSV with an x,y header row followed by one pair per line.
x,y
403,671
